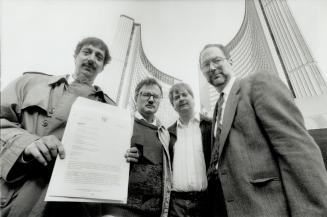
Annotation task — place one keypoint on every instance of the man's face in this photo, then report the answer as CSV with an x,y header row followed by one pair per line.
x,y
183,101
148,100
89,62
215,67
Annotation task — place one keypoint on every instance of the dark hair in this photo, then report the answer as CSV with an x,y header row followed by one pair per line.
x,y
179,86
146,82
220,46
97,43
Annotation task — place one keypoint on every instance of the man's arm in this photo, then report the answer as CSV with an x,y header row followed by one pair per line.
x,y
13,137
299,157
18,146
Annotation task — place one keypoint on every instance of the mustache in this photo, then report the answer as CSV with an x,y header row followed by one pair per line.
x,y
89,64
150,104
216,72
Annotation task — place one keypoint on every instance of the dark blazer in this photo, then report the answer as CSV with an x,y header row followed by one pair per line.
x,y
205,126
268,163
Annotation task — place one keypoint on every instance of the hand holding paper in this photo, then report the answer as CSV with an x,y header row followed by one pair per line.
x,y
96,138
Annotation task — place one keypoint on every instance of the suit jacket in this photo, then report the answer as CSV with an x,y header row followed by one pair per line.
x,y
268,163
205,127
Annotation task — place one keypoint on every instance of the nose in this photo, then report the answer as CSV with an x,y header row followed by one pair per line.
x,y
151,99
181,98
91,58
212,66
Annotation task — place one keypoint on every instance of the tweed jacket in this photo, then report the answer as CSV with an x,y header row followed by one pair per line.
x,y
32,106
268,164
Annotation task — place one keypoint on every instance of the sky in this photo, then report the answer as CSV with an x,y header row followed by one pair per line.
x,y
40,35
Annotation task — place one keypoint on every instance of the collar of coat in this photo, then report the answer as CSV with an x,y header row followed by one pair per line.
x,y
54,79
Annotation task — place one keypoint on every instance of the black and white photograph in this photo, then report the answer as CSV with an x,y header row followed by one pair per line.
x,y
163,108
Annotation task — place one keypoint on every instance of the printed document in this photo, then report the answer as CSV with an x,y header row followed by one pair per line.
x,y
96,138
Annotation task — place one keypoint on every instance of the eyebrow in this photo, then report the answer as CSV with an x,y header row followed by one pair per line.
x,y
86,48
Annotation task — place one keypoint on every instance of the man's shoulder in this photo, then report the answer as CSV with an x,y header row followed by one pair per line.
x,y
36,73
32,78
263,82
36,77
264,76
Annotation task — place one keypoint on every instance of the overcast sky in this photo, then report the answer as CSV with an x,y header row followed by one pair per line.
x,y
41,35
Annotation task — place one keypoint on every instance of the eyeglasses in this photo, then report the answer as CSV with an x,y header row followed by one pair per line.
x,y
147,96
216,61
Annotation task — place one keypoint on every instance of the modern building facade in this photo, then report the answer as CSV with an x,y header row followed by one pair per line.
x,y
269,40
131,65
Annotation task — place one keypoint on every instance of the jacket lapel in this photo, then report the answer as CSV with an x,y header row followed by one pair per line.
x,y
229,114
173,137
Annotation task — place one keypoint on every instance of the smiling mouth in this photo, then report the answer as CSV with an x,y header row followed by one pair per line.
x,y
218,75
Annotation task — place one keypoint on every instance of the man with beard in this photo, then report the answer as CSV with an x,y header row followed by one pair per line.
x,y
150,170
263,161
34,112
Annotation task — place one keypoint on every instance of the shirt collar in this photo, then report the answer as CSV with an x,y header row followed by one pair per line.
x,y
68,79
195,118
58,78
228,86
139,116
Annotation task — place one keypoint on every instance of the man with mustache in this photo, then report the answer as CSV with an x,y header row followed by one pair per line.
x,y
263,161
189,149
34,112
150,170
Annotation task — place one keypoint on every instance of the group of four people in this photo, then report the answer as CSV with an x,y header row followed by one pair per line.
x,y
255,158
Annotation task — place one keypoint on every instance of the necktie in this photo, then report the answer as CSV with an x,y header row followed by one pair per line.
x,y
219,113
215,150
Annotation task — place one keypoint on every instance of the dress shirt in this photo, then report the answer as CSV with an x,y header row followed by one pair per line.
x,y
70,79
226,92
189,170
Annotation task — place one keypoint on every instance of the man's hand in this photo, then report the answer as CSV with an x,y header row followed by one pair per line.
x,y
45,149
132,155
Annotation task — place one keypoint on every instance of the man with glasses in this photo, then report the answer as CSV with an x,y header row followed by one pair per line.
x,y
149,179
263,161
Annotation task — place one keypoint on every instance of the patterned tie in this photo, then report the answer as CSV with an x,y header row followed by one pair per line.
x,y
214,154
